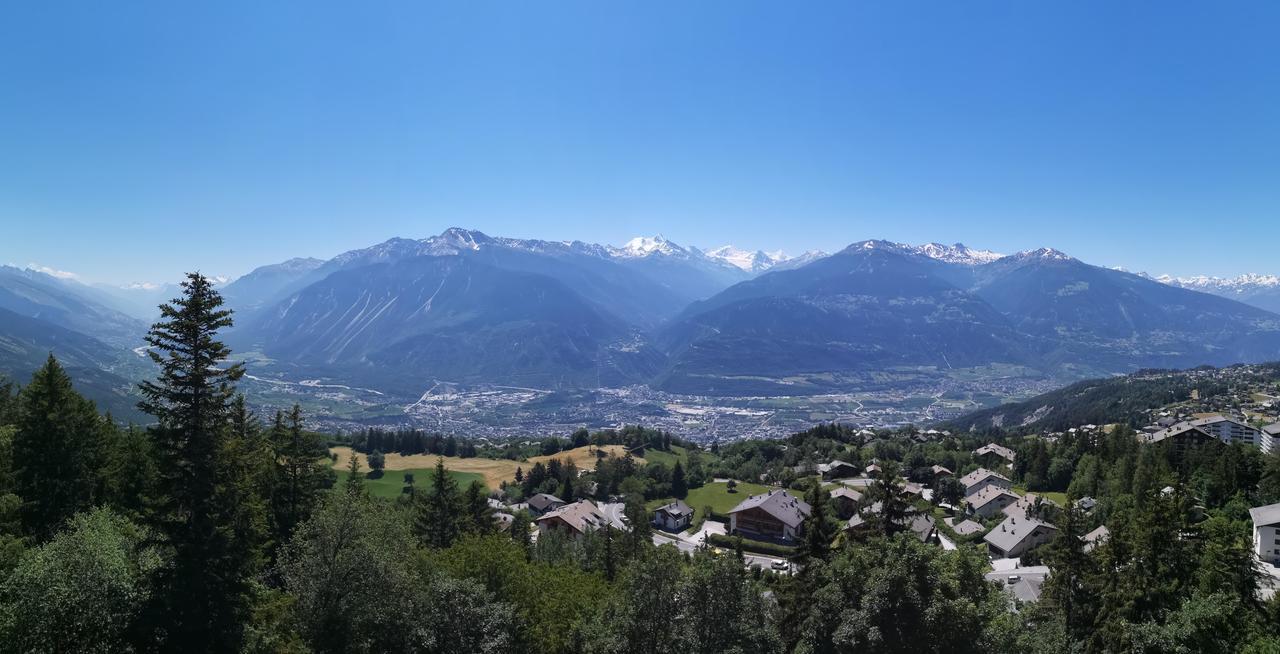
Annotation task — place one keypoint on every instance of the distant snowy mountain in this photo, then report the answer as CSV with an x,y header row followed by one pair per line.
x,y
1262,291
752,262
958,253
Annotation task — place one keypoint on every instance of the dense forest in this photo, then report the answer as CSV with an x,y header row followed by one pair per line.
x,y
215,530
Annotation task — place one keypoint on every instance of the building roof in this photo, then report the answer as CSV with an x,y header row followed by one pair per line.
x,y
966,527
1265,515
1178,429
582,515
845,492
978,475
789,510
1025,504
1096,537
1015,529
996,449
824,468
543,501
1272,429
939,470
677,508
989,494
920,524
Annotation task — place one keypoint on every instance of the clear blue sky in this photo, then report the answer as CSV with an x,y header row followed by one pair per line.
x,y
1145,134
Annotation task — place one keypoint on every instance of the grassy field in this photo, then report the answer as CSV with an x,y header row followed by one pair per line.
x,y
715,495
668,459
391,483
492,471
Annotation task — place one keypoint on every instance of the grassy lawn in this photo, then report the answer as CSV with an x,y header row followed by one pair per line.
x,y
717,496
392,481
668,459
1059,498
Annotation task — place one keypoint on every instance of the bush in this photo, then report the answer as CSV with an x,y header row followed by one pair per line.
x,y
755,546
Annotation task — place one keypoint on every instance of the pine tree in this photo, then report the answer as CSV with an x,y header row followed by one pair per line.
x,y
520,532
479,515
436,523
58,454
201,510
819,531
679,487
300,473
355,478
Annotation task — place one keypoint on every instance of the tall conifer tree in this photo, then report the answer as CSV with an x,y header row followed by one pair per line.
x,y
57,451
201,510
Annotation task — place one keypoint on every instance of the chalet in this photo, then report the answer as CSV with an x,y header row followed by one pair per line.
x,y
1086,504
675,516
573,519
992,452
1266,533
845,500
912,489
873,470
940,472
542,503
773,515
981,478
837,470
921,525
990,501
1017,535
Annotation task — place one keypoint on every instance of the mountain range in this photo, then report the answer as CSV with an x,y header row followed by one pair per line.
x,y
467,308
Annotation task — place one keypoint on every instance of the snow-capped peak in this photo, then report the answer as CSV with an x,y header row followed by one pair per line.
x,y
1241,282
643,246
754,262
958,253
1048,254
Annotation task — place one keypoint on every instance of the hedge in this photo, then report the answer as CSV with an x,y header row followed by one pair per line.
x,y
748,545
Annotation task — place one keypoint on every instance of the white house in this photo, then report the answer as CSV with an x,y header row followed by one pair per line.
x,y
1266,533
990,500
675,516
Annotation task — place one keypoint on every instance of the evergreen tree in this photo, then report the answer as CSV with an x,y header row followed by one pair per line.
x,y
355,477
436,523
521,531
476,504
679,487
1067,588
819,529
201,505
57,451
300,472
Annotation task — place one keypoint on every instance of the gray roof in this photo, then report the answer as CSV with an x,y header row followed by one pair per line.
x,y
677,508
1026,503
978,475
966,527
1178,429
582,515
845,492
1272,429
987,495
999,450
1012,531
1096,537
921,525
1265,515
541,501
835,463
789,510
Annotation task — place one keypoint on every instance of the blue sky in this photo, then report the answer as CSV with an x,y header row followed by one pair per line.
x,y
1138,134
